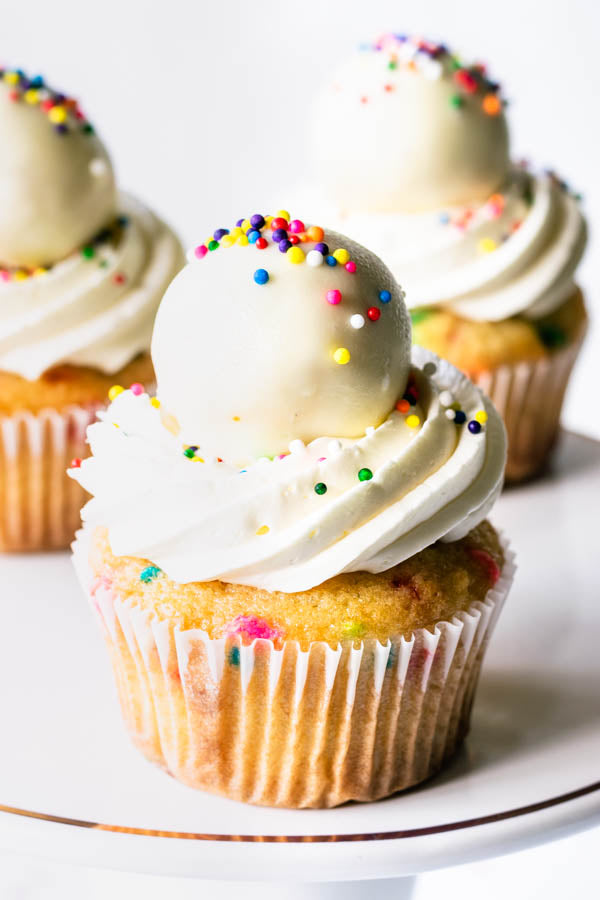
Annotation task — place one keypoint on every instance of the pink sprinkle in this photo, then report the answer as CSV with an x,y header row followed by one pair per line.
x,y
251,628
101,581
283,455
350,266
487,561
137,388
334,297
201,251
4,275
322,458
296,226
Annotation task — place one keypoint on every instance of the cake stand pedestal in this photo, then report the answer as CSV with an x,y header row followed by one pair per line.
x,y
73,789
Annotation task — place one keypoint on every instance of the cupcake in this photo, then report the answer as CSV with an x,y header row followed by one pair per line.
x,y
487,251
287,548
82,270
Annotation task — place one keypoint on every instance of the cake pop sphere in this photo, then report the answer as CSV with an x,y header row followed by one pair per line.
x,y
278,334
56,179
404,127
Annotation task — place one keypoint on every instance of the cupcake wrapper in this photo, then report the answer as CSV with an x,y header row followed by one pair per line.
x,y
291,727
529,397
39,503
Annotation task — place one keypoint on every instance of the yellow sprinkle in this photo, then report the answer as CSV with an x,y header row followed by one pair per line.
x,y
11,77
243,241
20,275
481,417
40,270
246,225
115,390
197,459
115,424
57,114
341,255
236,418
228,240
413,421
155,402
237,231
268,219
263,529
487,245
313,533
171,424
31,96
341,356
283,214
295,254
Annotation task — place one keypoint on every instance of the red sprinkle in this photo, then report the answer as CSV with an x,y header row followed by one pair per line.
x,y
118,278
487,561
261,243
75,463
373,313
279,222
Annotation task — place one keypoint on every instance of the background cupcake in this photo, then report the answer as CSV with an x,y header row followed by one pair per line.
x,y
291,561
82,269
487,251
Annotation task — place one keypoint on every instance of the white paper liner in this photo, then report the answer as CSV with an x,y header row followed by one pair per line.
x,y
529,397
292,727
39,504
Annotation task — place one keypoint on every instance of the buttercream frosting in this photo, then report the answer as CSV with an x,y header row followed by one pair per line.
x,y
95,309
267,526
514,254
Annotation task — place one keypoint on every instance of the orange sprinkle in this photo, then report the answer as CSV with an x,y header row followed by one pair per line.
x,y
491,105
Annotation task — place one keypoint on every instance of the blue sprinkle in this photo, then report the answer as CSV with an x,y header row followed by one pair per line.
x,y
459,417
261,276
385,296
284,245
444,218
253,235
233,657
149,574
219,233
331,260
238,224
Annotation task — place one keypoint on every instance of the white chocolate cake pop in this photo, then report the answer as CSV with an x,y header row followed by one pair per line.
x,y
278,332
406,127
56,179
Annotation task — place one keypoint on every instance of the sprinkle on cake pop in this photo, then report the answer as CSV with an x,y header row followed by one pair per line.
x,y
273,340
56,178
422,129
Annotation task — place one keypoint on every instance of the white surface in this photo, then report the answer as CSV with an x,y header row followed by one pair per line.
x,y
203,106
536,730
179,90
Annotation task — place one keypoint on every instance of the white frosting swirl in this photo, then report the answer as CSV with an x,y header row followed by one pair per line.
x,y
97,312
267,526
534,227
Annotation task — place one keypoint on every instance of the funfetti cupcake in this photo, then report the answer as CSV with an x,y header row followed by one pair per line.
x,y
412,157
287,547
82,270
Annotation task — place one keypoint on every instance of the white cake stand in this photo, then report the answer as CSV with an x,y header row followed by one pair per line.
x,y
73,789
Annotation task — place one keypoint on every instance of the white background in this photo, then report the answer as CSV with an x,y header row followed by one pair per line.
x,y
203,106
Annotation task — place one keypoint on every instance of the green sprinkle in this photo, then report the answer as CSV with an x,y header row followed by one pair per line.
x,y
392,65
419,315
149,574
456,101
233,657
551,335
212,245
87,252
87,128
353,629
320,488
190,452
365,475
